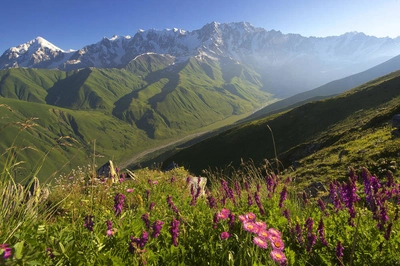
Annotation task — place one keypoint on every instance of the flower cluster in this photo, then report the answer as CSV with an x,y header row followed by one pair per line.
x,y
157,226
263,236
138,242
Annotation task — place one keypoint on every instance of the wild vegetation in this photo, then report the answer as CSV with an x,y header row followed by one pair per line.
x,y
248,216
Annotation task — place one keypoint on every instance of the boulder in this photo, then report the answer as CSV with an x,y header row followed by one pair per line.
x,y
108,171
196,182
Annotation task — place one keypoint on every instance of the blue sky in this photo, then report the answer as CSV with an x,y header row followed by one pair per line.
x,y
72,24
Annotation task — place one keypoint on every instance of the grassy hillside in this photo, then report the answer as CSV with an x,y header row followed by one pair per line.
x,y
150,102
67,134
332,88
301,131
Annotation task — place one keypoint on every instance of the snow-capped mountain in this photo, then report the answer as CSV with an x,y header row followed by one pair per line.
x,y
37,53
308,61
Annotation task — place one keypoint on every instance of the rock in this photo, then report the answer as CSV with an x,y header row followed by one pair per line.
x,y
108,171
196,182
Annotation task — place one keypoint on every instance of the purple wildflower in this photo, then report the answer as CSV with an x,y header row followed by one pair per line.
x,y
118,203
50,253
339,251
349,196
211,201
172,179
7,251
311,239
321,204
224,235
238,190
283,197
174,230
271,184
299,233
215,220
231,221
89,223
246,186
110,230
148,194
333,193
157,226
388,231
138,242
145,218
309,224
286,214
151,206
258,202
172,205
321,232
249,200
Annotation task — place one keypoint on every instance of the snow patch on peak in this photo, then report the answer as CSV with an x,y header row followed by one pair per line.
x,y
44,43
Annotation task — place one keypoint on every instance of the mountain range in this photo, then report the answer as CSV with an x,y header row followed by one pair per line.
x,y
125,95
306,62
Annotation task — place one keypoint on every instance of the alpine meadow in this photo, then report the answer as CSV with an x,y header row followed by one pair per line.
x,y
225,145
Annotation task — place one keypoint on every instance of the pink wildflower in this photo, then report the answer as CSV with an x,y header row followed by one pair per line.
x,y
251,217
275,232
242,218
261,242
277,242
130,190
278,256
224,235
224,214
263,233
261,225
250,227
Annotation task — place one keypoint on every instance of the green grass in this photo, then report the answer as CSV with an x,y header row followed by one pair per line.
x,y
125,111
69,225
300,131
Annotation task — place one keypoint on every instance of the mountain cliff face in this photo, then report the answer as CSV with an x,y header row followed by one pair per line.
x,y
305,62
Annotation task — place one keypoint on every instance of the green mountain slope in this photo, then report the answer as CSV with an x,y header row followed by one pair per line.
x,y
301,131
190,95
148,103
332,88
76,129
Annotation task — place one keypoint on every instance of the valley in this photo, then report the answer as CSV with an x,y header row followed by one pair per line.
x,y
284,148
